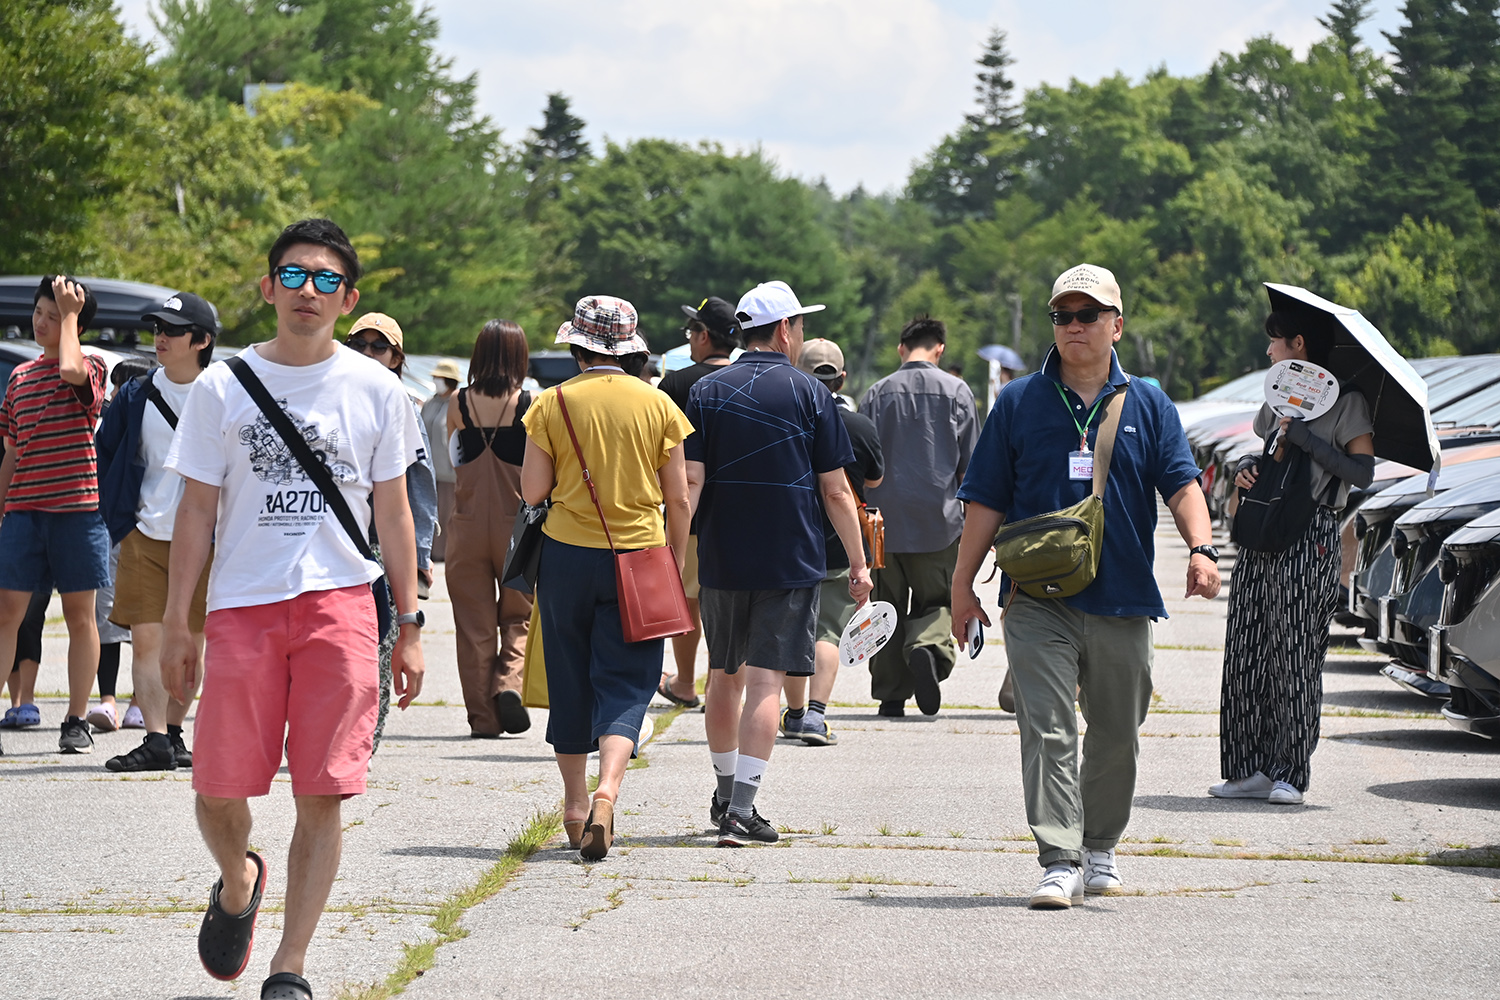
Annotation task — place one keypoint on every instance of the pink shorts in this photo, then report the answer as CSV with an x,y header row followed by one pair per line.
x,y
302,672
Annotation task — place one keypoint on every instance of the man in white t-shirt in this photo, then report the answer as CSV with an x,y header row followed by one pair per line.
x,y
138,497
291,656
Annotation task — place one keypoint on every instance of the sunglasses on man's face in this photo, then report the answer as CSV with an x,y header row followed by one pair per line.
x,y
1086,316
293,277
368,346
168,330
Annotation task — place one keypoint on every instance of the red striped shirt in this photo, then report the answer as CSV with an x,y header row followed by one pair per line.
x,y
52,426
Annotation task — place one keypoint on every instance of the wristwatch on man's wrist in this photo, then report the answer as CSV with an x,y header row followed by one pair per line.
x,y
416,618
1211,552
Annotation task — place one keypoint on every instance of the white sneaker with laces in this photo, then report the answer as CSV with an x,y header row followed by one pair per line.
x,y
1284,794
1257,786
1060,888
1100,875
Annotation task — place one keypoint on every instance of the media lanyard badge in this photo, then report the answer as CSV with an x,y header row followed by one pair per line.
x,y
1081,465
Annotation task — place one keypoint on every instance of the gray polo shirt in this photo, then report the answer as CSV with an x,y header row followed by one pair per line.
x,y
927,432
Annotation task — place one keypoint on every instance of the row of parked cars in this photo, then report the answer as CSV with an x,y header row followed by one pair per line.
x,y
1421,551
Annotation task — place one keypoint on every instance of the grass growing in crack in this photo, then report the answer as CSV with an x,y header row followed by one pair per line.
x,y
911,833
418,958
1374,840
829,829
884,829
1227,842
612,901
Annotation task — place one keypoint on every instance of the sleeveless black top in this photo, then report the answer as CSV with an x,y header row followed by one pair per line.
x,y
508,442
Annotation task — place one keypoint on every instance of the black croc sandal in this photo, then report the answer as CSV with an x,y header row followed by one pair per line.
x,y
224,939
285,986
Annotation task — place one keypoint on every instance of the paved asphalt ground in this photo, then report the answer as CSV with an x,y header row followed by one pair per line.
x,y
903,869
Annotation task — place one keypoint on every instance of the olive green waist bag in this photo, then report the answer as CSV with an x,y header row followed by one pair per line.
x,y
1057,554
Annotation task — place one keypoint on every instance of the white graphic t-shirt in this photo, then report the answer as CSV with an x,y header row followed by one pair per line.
x,y
275,538
160,490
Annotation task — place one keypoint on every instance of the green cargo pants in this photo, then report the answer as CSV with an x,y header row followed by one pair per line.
x,y
920,585
1055,650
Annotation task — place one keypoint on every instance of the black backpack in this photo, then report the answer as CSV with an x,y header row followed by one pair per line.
x,y
1278,508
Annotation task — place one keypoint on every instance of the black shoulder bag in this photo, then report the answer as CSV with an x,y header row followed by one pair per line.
x,y
1278,508
157,399
311,464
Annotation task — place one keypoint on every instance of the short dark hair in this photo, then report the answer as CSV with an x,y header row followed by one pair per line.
x,y
319,232
634,364
761,334
1285,326
128,368
205,353
90,304
924,332
500,357
718,338
584,356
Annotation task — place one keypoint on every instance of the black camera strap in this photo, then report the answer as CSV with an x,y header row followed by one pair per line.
x,y
311,464
154,394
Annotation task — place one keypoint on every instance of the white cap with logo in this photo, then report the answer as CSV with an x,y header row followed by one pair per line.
x,y
1098,283
770,302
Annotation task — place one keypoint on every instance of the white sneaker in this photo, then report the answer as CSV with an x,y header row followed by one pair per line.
x,y
1100,876
1060,888
1284,794
1257,786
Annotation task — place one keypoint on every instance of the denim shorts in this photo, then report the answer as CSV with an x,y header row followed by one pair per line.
x,y
69,548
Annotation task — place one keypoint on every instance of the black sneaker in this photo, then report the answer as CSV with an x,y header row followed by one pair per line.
x,y
154,754
180,751
512,713
741,831
716,810
924,680
75,736
892,709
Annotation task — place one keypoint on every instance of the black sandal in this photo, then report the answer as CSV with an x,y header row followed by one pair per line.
x,y
285,986
665,690
224,940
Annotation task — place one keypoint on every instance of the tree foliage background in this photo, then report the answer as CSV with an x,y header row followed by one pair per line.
x,y
1372,180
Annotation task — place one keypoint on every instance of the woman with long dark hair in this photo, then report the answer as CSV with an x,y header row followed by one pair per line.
x,y
488,443
630,436
1280,603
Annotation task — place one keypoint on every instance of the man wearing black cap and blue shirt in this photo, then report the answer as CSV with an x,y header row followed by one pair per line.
x,y
770,445
713,335
138,498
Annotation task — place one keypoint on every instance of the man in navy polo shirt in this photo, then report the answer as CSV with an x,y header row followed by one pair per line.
x,y
770,451
1097,643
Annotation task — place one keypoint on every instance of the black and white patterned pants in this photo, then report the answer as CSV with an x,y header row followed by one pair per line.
x,y
1280,604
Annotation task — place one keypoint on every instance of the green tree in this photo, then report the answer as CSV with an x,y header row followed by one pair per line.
x,y
969,169
68,68
1408,285
377,47
1477,52
1343,23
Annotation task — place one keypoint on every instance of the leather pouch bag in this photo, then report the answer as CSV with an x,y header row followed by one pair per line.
x,y
653,604
1057,554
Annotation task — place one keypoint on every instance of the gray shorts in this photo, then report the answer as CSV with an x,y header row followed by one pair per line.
x,y
764,628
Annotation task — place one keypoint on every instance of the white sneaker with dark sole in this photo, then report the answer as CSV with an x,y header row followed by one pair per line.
x,y
1060,888
1101,877
1257,786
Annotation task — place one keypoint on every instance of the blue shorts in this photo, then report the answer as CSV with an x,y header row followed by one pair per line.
x,y
42,548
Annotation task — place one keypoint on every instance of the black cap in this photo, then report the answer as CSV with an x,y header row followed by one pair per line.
x,y
186,309
717,315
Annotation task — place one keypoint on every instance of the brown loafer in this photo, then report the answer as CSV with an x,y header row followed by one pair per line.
x,y
599,831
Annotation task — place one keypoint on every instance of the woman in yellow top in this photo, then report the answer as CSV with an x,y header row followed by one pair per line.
x,y
631,437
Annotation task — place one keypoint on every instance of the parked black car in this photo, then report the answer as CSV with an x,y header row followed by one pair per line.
x,y
1464,645
116,326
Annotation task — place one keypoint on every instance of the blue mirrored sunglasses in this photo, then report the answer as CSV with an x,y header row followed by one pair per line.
x,y
294,277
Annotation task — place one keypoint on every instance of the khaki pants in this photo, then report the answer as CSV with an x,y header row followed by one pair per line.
x,y
920,585
1054,651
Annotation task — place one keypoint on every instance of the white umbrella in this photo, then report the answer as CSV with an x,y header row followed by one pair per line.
x,y
1363,359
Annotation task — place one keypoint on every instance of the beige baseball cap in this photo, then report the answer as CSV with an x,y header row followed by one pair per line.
x,y
821,358
381,324
447,368
1098,283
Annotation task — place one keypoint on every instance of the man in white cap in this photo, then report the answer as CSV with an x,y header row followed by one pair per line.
x,y
1034,456
769,445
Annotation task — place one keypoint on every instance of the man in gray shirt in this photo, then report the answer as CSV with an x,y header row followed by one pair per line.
x,y
927,432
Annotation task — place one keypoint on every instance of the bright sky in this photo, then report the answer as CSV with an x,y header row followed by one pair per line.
x,y
848,90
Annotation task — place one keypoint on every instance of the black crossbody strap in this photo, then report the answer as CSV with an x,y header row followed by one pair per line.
x,y
160,401
313,466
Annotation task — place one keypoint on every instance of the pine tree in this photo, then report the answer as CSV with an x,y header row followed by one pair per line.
x,y
1477,52
1417,164
970,169
558,148
1344,20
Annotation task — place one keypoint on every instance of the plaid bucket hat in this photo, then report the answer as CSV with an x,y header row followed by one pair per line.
x,y
605,325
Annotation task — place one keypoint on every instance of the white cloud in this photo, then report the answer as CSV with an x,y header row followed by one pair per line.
x,y
850,90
